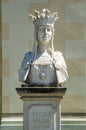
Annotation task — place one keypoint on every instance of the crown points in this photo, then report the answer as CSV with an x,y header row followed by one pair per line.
x,y
44,17
36,13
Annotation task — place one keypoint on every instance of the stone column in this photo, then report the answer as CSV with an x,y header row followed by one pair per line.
x,y
42,108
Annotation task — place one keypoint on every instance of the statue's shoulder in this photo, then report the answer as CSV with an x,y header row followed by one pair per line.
x,y
58,53
27,57
28,54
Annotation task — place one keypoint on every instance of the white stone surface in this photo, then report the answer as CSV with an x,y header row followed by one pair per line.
x,y
41,115
43,65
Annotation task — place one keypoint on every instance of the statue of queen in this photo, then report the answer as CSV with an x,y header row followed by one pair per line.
x,y
43,66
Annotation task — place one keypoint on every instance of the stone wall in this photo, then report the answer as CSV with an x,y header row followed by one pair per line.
x,y
70,39
0,63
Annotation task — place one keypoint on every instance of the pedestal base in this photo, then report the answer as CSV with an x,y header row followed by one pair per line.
x,y
41,107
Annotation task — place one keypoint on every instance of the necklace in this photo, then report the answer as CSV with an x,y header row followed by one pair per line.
x,y
42,74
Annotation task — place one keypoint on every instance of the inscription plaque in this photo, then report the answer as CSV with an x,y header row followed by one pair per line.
x,y
41,117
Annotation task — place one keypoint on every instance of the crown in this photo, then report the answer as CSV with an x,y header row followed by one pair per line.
x,y
43,18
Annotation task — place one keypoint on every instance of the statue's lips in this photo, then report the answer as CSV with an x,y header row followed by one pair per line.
x,y
45,36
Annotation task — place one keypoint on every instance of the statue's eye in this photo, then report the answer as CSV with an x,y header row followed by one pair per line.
x,y
40,28
48,29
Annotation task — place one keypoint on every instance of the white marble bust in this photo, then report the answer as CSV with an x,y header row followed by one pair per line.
x,y
43,65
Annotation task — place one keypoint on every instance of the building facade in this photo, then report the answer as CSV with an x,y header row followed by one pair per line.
x,y
17,38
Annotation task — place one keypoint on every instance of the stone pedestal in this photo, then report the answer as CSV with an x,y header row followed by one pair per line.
x,y
42,109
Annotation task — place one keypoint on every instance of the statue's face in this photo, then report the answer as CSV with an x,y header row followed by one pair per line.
x,y
44,34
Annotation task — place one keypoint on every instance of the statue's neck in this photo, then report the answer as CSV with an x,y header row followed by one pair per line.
x,y
42,49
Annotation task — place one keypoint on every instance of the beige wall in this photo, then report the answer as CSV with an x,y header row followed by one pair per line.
x,y
70,39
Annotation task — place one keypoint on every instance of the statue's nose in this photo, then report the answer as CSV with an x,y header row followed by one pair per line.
x,y
45,30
